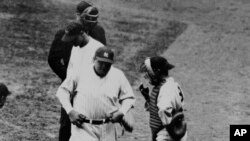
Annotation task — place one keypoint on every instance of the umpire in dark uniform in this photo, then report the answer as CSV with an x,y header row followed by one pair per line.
x,y
60,51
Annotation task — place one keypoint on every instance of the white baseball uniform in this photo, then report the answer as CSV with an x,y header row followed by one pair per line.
x,y
96,98
81,56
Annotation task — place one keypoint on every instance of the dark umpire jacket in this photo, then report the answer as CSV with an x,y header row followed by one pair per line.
x,y
59,53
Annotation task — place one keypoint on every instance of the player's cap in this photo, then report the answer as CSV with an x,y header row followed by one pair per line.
x,y
72,30
160,63
90,15
104,54
82,6
4,90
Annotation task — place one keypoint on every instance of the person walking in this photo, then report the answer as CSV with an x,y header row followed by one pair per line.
x,y
60,52
103,97
165,102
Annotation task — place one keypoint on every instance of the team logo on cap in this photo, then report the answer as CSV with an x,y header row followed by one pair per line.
x,y
105,54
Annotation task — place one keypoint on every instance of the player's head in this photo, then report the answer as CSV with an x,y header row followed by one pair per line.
x,y
74,34
4,92
89,18
155,69
81,6
103,60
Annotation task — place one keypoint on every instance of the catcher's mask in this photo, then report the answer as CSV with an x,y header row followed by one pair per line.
x,y
178,126
89,17
155,69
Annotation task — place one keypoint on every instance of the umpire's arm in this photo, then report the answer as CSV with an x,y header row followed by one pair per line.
x,y
56,55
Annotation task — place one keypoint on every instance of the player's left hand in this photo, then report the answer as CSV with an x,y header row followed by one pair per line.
x,y
116,116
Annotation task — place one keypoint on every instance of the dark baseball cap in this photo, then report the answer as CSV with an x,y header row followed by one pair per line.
x,y
82,6
72,30
160,63
104,54
4,90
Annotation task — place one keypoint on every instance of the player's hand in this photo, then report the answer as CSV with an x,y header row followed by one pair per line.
x,y
76,118
144,92
116,116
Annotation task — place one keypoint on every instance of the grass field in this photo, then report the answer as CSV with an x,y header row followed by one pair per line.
x,y
208,41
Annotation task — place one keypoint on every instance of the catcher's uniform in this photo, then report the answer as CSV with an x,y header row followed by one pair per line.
x,y
96,98
165,100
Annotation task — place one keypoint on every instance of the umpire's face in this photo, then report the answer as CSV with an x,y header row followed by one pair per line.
x,y
102,68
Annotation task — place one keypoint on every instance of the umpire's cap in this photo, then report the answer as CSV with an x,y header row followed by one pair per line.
x,y
177,127
90,15
4,90
82,6
72,30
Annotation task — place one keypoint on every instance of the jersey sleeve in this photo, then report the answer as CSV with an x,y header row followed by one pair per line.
x,y
126,96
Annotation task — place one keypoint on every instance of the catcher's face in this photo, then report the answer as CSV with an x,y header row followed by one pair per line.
x,y
153,79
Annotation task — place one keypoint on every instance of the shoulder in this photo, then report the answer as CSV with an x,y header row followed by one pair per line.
x,y
94,42
169,85
116,72
98,29
60,32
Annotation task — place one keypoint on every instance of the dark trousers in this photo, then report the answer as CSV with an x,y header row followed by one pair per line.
x,y
65,127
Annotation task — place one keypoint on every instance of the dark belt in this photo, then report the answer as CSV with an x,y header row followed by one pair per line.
x,y
97,122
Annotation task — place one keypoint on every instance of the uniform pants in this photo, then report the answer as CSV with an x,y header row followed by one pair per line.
x,y
90,132
65,126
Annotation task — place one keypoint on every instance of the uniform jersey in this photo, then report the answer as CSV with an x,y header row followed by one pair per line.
x,y
96,98
81,56
165,100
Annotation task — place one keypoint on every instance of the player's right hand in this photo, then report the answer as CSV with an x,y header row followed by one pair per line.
x,y
76,118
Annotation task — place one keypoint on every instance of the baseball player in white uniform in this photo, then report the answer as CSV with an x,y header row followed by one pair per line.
x,y
103,97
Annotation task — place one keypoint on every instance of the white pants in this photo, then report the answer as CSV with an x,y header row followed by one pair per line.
x,y
164,136
104,132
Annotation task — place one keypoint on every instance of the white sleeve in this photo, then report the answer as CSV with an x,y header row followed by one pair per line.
x,y
63,93
165,103
126,95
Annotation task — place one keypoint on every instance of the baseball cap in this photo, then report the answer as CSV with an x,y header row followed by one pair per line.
x,y
4,90
104,54
72,30
160,63
82,6
90,15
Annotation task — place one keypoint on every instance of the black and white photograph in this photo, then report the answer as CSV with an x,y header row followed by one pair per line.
x,y
124,70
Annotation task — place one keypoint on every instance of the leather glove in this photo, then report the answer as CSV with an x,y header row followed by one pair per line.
x,y
144,92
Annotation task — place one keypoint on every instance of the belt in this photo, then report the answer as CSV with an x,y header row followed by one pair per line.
x,y
96,122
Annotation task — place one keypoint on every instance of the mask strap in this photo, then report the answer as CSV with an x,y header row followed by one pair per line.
x,y
148,65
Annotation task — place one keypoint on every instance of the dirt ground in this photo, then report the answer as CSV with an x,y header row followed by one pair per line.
x,y
207,40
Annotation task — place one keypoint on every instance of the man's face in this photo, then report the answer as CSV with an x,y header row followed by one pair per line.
x,y
102,68
80,40
2,100
153,79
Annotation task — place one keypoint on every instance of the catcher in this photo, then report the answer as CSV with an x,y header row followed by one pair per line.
x,y
165,103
